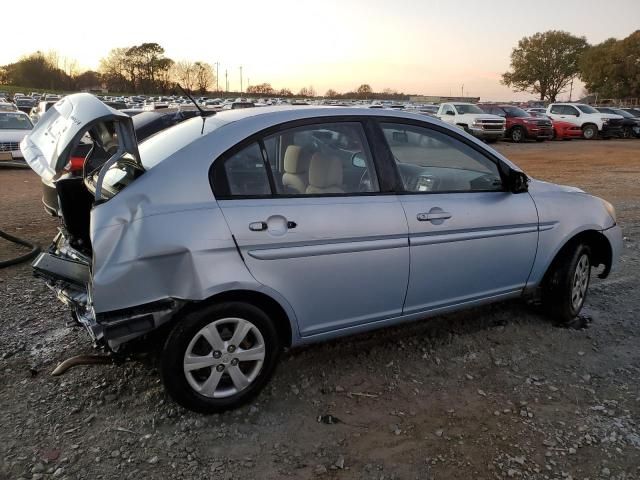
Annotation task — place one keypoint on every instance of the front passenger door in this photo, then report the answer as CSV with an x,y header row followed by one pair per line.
x,y
470,239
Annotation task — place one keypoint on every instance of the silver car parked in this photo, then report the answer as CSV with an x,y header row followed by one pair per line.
x,y
252,230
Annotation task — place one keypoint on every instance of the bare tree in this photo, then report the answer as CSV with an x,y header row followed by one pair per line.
x,y
184,72
204,76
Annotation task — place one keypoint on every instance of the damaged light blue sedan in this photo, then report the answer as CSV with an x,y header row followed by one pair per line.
x,y
238,234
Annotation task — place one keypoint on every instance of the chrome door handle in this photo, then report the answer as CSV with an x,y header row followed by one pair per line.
x,y
257,226
428,217
262,226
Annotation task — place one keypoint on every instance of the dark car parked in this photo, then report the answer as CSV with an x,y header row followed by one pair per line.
x,y
24,104
520,125
630,123
633,111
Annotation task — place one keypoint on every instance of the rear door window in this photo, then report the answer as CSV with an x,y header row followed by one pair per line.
x,y
246,173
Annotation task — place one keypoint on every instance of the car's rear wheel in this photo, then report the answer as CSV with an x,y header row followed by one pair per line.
x,y
517,134
566,285
220,356
627,132
590,131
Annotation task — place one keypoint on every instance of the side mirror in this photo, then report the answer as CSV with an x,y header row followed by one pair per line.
x,y
517,182
357,160
578,114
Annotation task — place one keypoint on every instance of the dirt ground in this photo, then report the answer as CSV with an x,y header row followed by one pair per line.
x,y
495,392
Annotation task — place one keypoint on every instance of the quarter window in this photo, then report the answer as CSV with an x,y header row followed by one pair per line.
x,y
431,161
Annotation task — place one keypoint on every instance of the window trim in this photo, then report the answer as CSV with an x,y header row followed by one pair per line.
x,y
400,189
218,177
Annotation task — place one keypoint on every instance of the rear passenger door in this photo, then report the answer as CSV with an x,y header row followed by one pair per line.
x,y
306,208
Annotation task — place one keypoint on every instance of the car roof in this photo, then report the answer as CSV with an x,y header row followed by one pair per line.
x,y
284,113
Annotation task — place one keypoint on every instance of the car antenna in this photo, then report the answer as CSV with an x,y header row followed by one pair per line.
x,y
202,112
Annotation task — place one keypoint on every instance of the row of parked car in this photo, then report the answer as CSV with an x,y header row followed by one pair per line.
x,y
488,121
492,122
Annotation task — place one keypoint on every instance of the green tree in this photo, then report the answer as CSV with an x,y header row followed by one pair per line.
x,y
364,91
545,63
88,79
612,68
36,71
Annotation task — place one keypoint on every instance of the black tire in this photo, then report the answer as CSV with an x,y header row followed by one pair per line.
x,y
590,131
558,290
174,377
627,132
517,135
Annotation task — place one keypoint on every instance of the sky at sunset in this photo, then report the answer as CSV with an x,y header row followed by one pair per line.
x,y
429,47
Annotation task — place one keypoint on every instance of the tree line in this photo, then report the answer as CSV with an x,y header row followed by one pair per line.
x,y
545,64
145,69
363,92
140,68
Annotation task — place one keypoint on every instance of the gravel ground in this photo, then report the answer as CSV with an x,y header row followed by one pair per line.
x,y
495,392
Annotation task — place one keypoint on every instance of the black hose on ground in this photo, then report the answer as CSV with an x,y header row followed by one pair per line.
x,y
35,249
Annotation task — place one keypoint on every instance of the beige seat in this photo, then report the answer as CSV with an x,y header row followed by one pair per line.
x,y
325,175
296,167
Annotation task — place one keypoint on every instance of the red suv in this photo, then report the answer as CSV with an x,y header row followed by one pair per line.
x,y
521,125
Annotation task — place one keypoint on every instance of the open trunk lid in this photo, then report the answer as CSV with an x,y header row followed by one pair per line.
x,y
47,148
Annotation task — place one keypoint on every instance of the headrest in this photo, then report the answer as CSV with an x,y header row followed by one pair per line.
x,y
294,161
324,171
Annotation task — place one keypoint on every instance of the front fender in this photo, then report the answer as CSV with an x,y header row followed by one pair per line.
x,y
563,214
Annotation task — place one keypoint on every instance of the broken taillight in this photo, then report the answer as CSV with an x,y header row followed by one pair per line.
x,y
75,164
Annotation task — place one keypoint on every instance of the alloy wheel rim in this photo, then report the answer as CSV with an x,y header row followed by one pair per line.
x,y
580,282
516,135
588,133
224,357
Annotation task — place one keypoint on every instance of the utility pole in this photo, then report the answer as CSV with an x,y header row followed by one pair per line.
x,y
217,64
571,89
463,90
240,78
226,80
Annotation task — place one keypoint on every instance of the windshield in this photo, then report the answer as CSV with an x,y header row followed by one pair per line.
x,y
14,121
623,113
587,109
463,108
515,112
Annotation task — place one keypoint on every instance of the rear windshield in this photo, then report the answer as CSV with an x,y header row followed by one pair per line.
x,y
120,175
462,108
587,109
515,112
14,121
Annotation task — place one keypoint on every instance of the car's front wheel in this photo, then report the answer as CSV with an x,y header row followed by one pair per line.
x,y
220,356
590,131
517,134
565,289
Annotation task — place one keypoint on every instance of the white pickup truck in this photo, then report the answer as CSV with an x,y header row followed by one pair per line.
x,y
592,122
473,120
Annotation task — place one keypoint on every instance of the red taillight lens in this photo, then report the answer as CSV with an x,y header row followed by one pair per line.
x,y
76,164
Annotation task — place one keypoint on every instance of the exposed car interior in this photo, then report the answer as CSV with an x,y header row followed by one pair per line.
x,y
429,161
310,160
